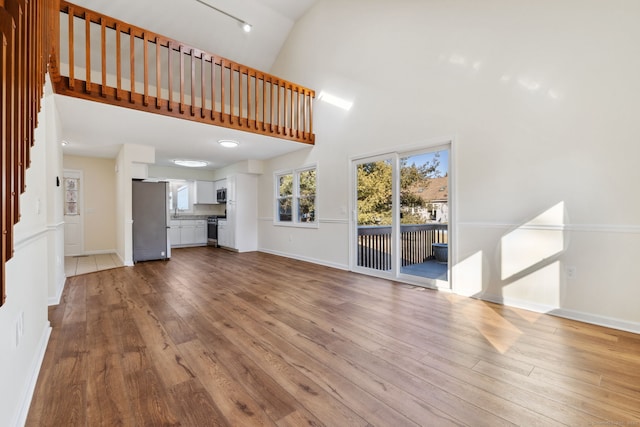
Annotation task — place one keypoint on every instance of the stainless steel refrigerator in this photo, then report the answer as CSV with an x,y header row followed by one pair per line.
x,y
150,226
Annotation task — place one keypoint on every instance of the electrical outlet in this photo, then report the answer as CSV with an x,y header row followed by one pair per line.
x,y
571,272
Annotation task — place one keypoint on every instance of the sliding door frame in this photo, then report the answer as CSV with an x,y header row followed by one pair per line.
x,y
395,155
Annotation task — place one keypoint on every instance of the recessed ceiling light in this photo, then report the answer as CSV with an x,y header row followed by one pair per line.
x,y
228,143
246,27
191,163
64,143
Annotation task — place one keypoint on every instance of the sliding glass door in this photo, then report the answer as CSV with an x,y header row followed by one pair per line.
x,y
401,216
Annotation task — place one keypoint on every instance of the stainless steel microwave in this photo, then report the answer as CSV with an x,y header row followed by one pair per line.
x,y
221,195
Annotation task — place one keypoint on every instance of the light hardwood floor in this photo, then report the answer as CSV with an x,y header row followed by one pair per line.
x,y
217,338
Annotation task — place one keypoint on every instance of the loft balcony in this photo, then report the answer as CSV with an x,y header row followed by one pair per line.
x,y
103,59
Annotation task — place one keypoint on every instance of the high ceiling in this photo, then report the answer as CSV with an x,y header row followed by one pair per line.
x,y
94,129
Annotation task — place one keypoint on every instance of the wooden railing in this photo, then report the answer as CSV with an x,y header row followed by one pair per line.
x,y
374,244
110,61
25,32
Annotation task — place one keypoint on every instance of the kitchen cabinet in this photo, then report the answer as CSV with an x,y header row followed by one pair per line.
x,y
223,234
241,228
188,232
205,193
221,183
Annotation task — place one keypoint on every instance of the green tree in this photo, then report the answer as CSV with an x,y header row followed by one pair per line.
x,y
375,192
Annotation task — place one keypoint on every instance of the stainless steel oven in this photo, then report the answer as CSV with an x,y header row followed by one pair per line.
x,y
212,230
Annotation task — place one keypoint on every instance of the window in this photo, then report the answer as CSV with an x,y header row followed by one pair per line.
x,y
296,197
183,198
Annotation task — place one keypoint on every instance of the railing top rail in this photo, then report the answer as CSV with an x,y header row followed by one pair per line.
x,y
125,27
386,229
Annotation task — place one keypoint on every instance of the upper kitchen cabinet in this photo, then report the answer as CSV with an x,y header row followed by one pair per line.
x,y
205,193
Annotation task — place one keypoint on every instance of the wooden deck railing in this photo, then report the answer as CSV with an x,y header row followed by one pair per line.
x,y
374,244
25,34
107,60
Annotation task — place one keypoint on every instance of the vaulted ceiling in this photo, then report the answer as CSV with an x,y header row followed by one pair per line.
x,y
94,129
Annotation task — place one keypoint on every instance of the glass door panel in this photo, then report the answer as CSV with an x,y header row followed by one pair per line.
x,y
374,214
424,215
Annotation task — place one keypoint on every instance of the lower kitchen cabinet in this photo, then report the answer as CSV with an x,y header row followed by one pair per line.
x,y
188,232
223,234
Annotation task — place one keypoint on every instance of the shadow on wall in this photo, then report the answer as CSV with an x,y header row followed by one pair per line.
x,y
530,270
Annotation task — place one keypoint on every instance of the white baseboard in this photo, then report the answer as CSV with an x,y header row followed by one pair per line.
x,y
594,319
56,299
21,416
607,322
301,258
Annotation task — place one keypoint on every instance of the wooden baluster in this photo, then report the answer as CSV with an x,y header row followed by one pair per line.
x,y
285,109
72,79
240,96
87,47
278,112
311,96
291,110
158,76
181,51
3,156
103,54
213,88
8,82
299,114
231,94
19,100
271,109
304,114
203,89
222,100
19,124
264,102
193,83
145,50
118,63
132,64
170,74
255,107
24,95
248,98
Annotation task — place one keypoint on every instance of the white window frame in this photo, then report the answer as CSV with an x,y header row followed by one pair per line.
x,y
295,196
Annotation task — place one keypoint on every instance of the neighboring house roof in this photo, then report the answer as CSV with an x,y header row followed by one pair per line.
x,y
433,189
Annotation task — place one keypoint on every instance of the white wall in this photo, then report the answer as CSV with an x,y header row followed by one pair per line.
x,y
33,274
540,99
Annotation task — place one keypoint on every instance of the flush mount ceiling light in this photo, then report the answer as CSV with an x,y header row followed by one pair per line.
x,y
246,27
228,143
335,101
191,163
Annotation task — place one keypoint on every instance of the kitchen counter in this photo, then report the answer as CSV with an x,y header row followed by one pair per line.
x,y
188,217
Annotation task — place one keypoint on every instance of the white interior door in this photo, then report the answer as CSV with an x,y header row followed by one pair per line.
x,y
73,213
